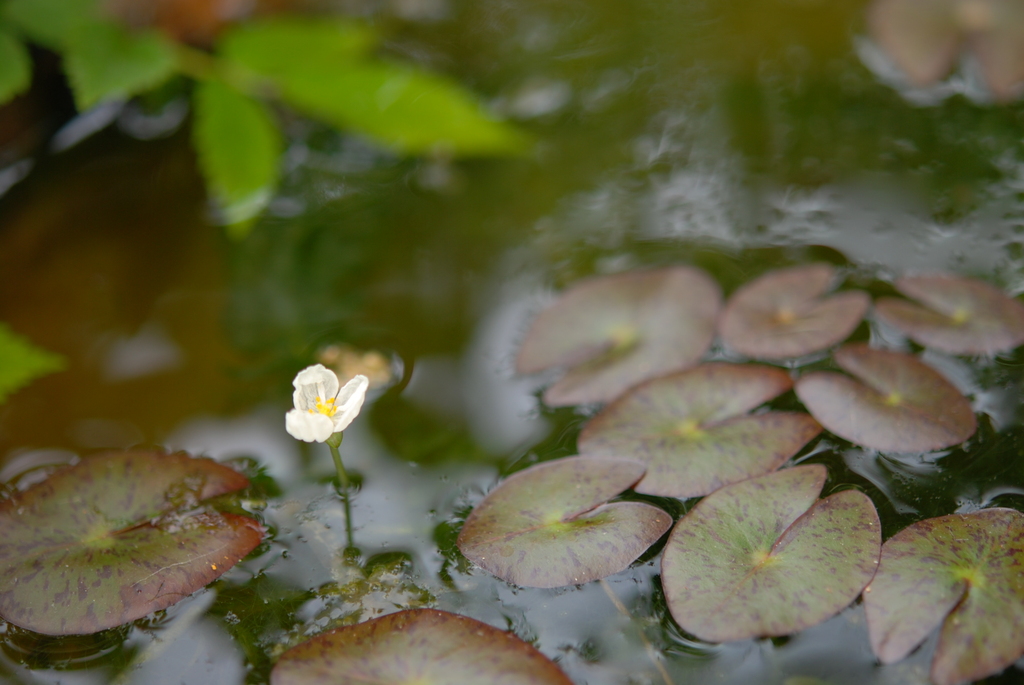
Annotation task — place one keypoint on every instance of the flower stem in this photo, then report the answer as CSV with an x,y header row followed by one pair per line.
x,y
334,442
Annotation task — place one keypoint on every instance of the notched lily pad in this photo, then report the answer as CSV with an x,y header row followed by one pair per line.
x,y
963,572
958,316
924,38
548,526
419,646
693,432
616,331
899,403
111,539
784,314
766,557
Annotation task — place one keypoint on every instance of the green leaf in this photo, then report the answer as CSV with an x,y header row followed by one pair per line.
x,y
114,538
51,23
616,331
547,526
15,66
21,362
104,61
694,432
962,572
290,45
422,646
766,557
406,109
238,146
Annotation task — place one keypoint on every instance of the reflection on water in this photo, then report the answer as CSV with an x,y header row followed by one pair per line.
x,y
734,136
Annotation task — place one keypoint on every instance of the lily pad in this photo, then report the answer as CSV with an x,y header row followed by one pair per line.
x,y
110,539
766,557
924,38
693,432
416,647
616,331
547,526
783,314
959,316
900,405
963,572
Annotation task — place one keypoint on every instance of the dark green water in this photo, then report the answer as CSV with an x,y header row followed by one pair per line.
x,y
735,136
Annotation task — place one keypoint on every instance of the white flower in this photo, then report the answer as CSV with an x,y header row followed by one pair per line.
x,y
321,409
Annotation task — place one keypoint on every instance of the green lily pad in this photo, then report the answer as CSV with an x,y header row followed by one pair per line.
x,y
416,647
765,557
115,537
616,331
693,432
782,314
548,526
963,572
959,316
900,405
924,38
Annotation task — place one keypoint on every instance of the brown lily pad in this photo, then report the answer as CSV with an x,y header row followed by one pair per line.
x,y
693,431
613,332
115,537
766,557
419,646
963,572
549,526
899,404
924,38
783,314
958,316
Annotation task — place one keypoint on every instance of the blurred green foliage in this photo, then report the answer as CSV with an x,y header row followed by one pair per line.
x,y
21,362
323,67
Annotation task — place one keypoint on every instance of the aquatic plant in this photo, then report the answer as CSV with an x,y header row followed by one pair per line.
x,y
925,38
549,525
611,332
898,403
115,537
323,407
694,430
957,315
961,572
784,313
766,557
423,646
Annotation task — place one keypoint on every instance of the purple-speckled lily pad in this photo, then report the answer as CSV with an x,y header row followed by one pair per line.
x,y
104,542
899,405
924,38
963,572
615,331
419,646
959,316
783,314
693,431
766,557
548,526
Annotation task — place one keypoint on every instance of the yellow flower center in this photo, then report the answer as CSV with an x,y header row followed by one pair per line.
x,y
325,407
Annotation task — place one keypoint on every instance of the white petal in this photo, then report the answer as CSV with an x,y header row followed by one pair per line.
x,y
350,401
312,382
309,427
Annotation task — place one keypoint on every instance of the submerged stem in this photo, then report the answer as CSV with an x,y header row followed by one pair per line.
x,y
651,652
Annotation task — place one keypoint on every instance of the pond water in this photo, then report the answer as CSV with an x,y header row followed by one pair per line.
x,y
734,136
